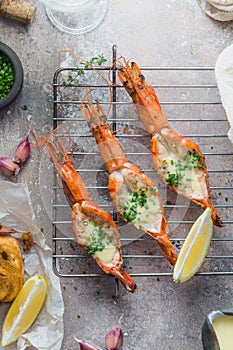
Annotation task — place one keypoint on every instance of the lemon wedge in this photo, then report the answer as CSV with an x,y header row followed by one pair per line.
x,y
24,309
195,248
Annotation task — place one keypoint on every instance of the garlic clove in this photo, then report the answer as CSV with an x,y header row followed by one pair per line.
x,y
85,345
4,230
114,339
23,150
8,167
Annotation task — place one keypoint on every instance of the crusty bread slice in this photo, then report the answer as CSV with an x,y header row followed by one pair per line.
x,y
5,283
11,264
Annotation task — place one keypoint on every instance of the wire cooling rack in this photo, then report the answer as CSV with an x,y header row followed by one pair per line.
x,y
189,98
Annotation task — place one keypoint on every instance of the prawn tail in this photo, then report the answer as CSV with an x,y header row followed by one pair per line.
x,y
125,279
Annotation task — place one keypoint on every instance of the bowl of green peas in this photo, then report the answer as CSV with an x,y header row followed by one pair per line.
x,y
11,75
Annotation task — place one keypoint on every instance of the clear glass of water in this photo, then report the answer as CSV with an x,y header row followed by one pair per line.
x,y
75,16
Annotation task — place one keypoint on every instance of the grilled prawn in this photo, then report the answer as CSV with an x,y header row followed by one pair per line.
x,y
134,194
177,160
93,228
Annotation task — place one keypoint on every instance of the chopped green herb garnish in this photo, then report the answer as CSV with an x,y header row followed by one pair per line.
x,y
200,166
137,200
192,160
174,179
7,75
72,246
98,240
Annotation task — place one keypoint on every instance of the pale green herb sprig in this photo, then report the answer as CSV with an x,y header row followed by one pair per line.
x,y
83,66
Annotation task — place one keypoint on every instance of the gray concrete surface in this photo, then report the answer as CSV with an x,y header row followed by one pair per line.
x,y
162,315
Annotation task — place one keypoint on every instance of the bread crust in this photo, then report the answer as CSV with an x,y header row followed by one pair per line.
x,y
5,284
11,268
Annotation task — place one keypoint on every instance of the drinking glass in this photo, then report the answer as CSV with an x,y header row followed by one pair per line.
x,y
75,16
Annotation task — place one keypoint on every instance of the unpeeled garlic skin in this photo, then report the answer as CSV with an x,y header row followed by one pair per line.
x,y
85,345
114,339
23,150
8,167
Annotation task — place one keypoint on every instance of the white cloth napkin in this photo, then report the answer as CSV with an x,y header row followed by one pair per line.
x,y
16,212
224,77
220,10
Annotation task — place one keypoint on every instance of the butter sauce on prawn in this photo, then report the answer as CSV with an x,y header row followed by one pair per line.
x,y
134,194
93,228
177,160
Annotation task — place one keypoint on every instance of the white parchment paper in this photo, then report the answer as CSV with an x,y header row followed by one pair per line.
x,y
224,77
16,212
